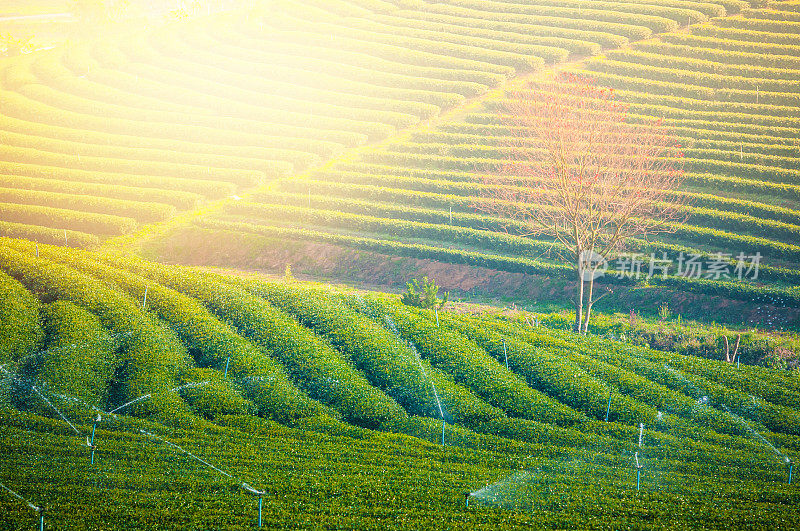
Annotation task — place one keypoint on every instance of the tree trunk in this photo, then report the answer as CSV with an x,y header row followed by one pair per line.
x,y
589,303
579,302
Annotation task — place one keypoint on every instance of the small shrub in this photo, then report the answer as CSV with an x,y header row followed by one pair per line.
x,y
424,296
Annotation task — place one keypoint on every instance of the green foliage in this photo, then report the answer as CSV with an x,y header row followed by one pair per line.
x,y
314,366
424,295
80,356
151,356
472,367
20,332
386,361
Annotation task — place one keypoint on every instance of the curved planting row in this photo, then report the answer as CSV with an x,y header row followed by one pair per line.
x,y
151,355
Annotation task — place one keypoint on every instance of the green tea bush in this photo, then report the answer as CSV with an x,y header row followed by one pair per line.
x,y
386,360
80,357
140,211
59,218
20,332
315,366
151,356
215,399
78,240
472,367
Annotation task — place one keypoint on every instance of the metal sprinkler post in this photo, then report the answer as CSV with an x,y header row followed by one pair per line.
x,y
791,465
608,409
443,426
91,442
638,471
505,352
466,498
227,363
260,494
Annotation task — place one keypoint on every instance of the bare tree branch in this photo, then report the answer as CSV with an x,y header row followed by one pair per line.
x,y
579,172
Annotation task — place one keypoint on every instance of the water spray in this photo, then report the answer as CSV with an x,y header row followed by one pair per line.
x,y
150,395
39,510
636,458
411,346
46,401
703,400
245,486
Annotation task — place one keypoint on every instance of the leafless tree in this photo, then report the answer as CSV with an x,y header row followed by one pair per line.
x,y
578,171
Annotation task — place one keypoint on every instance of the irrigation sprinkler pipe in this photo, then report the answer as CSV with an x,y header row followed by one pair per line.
x,y
466,498
608,409
90,442
443,426
638,470
791,466
245,486
227,363
505,352
260,494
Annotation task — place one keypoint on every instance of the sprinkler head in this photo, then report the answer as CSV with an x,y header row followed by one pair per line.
x,y
466,498
99,418
253,491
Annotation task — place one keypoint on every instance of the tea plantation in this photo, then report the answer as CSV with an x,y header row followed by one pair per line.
x,y
726,86
139,395
336,403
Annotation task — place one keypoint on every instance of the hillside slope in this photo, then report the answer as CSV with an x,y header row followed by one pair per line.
x,y
186,350
726,87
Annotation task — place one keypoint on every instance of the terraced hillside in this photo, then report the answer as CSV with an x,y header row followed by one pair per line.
x,y
297,389
728,89
98,138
